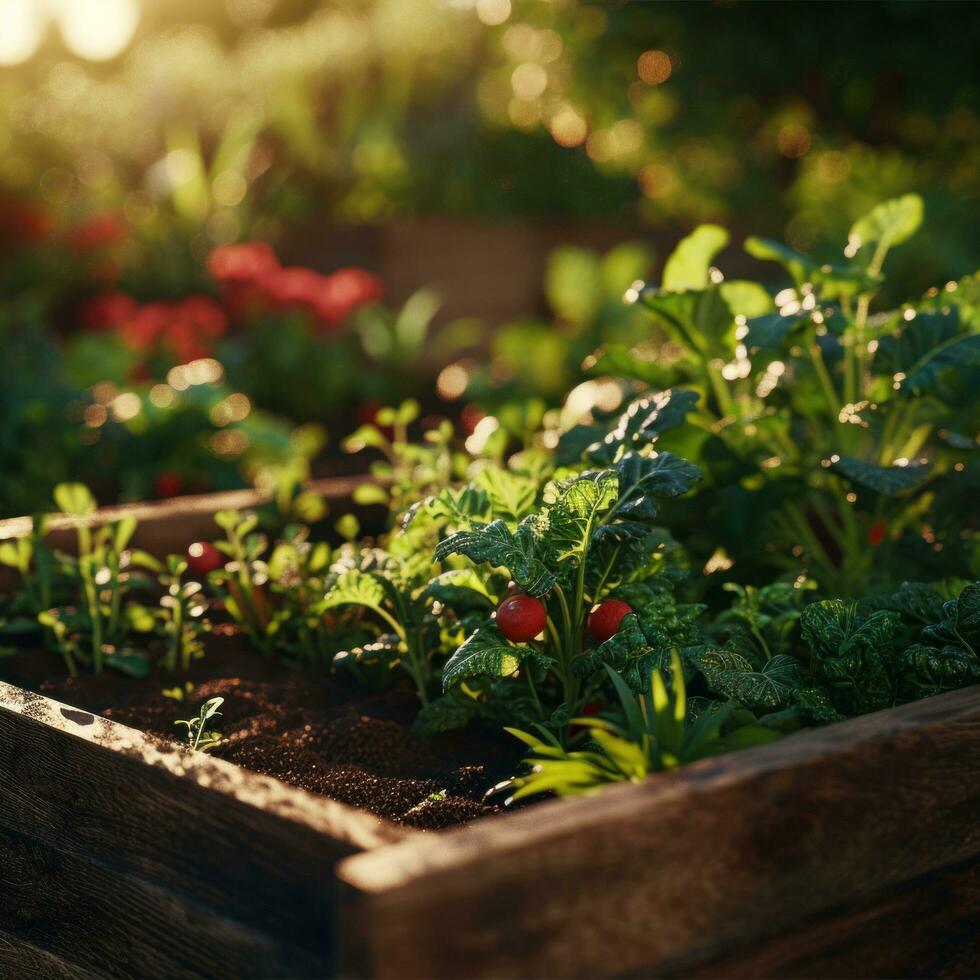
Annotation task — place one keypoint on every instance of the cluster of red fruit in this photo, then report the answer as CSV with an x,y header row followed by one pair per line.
x,y
252,282
522,617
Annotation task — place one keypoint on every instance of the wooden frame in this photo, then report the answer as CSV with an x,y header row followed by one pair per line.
x,y
852,850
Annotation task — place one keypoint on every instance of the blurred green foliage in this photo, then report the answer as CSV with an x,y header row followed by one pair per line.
x,y
791,119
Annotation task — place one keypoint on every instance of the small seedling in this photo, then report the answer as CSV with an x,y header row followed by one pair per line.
x,y
198,737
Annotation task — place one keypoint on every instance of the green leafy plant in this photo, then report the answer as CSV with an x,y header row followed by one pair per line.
x,y
828,430
652,732
93,627
182,608
199,737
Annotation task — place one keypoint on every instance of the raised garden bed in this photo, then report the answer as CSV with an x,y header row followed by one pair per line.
x,y
823,854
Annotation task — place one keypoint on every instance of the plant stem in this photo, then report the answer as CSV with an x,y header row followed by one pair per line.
x,y
534,692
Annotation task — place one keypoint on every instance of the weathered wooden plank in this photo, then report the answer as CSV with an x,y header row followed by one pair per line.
x,y
681,867
258,850
119,925
25,961
929,927
165,526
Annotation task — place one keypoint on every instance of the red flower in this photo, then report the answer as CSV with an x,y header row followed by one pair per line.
x,y
245,262
344,291
23,224
143,329
295,288
241,272
97,232
106,310
195,322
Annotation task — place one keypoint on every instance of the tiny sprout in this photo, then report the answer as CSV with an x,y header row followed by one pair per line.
x,y
198,737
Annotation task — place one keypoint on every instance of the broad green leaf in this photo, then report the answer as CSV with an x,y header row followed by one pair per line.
x,y
914,342
952,358
643,423
698,320
123,531
889,223
74,499
795,263
688,265
485,652
886,480
616,361
642,478
745,298
770,332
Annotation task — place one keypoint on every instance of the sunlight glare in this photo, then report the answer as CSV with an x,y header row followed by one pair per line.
x,y
97,29
21,27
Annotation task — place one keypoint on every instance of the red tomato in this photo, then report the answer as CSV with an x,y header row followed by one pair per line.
x,y
167,484
876,534
521,617
604,620
204,557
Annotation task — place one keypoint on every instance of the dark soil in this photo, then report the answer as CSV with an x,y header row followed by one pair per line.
x,y
307,727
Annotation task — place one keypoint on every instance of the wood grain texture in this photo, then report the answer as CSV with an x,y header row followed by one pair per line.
x,y
25,961
103,920
256,851
659,877
929,927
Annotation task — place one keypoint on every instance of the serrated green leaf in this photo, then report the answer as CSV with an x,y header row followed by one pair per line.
x,y
573,512
485,652
497,545
354,588
644,478
511,495
732,676
852,654
644,422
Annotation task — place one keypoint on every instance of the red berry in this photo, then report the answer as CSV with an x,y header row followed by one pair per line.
x,y
604,620
167,484
876,534
203,557
521,617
